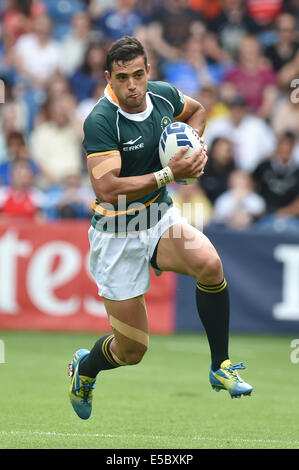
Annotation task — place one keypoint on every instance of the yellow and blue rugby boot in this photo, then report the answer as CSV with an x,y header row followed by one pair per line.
x,y
81,387
227,378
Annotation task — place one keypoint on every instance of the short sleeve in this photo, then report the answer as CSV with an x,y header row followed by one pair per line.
x,y
98,136
179,102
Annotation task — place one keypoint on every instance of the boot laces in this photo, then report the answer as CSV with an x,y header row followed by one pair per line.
x,y
233,370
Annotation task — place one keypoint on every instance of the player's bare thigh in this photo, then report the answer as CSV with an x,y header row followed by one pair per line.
x,y
128,319
185,250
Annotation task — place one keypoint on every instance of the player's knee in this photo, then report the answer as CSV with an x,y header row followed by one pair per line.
x,y
133,357
210,272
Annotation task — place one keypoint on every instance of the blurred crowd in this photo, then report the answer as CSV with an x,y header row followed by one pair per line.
x,y
239,58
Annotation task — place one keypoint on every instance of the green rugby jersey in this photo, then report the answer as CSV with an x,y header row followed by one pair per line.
x,y
136,137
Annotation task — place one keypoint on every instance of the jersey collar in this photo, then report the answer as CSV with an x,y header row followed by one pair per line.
x,y
109,94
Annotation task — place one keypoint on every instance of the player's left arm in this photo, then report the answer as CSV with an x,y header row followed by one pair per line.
x,y
193,114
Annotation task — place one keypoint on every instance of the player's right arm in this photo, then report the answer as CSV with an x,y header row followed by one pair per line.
x,y
104,165
104,172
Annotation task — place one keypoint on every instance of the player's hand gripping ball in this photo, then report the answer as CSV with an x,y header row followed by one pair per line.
x,y
175,136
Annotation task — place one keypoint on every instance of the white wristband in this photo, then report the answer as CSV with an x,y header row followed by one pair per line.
x,y
164,176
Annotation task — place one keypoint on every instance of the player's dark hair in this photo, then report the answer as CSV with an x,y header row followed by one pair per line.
x,y
124,50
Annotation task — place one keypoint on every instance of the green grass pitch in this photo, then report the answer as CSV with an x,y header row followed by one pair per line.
x,y
165,402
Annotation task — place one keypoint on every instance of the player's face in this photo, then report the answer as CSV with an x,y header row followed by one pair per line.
x,y
129,80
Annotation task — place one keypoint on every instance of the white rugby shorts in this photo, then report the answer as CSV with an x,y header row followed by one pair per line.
x,y
120,263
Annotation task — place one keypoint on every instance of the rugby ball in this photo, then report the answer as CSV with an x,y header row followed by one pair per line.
x,y
175,136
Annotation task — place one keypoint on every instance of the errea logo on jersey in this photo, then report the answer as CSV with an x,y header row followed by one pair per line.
x,y
132,144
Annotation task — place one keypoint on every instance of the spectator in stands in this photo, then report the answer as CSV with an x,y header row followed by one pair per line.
x,y
214,107
253,140
252,79
6,57
265,12
215,54
232,24
170,27
193,204
86,106
70,200
58,88
56,145
220,164
208,8
13,115
240,205
123,20
143,36
75,44
277,181
289,72
18,18
292,6
17,151
86,78
191,71
147,7
21,200
37,55
285,114
284,49
96,8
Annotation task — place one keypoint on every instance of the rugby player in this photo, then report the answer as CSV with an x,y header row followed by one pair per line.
x,y
135,225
